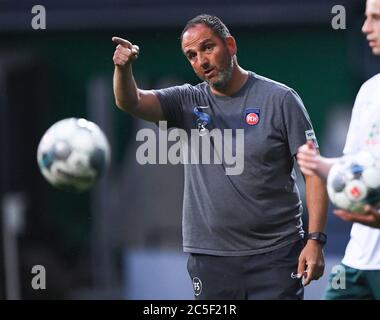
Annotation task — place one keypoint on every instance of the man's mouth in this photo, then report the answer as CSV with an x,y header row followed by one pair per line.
x,y
209,72
372,43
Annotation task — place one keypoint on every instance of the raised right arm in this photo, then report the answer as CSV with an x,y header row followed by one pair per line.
x,y
143,104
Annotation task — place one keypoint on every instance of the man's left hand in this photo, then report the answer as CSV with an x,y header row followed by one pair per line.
x,y
311,262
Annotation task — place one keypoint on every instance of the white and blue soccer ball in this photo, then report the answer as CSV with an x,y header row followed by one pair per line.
x,y
73,154
354,181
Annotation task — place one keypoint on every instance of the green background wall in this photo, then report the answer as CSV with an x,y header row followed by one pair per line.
x,y
314,61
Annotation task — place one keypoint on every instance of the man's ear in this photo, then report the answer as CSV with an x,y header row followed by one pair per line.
x,y
231,44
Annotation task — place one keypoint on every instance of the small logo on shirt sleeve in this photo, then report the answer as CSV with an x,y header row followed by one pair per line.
x,y
310,136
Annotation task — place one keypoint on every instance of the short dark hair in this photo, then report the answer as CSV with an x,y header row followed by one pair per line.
x,y
213,22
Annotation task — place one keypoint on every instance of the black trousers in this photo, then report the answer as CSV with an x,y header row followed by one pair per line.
x,y
268,276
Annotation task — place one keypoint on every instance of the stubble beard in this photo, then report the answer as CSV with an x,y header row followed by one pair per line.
x,y
224,76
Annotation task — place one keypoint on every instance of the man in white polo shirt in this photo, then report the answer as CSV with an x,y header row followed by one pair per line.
x,y
362,256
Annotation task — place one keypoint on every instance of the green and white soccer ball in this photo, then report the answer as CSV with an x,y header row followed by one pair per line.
x,y
73,154
354,181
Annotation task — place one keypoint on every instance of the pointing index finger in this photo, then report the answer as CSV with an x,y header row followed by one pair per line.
x,y
122,42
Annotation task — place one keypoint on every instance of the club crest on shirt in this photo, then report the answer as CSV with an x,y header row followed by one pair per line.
x,y
252,116
373,137
203,119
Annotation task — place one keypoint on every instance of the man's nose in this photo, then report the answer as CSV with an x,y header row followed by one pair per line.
x,y
204,61
366,27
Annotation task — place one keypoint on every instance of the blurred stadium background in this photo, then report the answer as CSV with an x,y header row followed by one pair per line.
x,y
122,240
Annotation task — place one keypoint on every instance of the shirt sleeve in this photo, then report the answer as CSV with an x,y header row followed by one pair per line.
x,y
353,144
172,101
297,123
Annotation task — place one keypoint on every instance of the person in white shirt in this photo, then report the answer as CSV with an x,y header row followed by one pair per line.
x,y
362,257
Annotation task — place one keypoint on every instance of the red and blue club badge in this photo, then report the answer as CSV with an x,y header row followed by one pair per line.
x,y
252,116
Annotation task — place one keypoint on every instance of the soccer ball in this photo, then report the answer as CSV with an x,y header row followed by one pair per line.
x,y
72,154
354,181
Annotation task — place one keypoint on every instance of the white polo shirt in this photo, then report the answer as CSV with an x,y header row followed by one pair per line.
x,y
363,249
